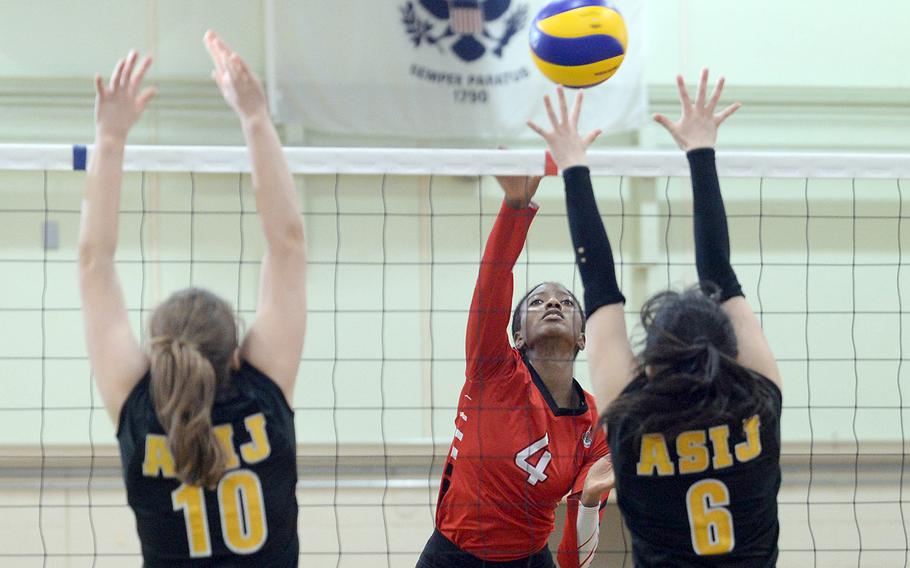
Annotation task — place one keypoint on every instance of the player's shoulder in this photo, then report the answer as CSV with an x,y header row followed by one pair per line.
x,y
507,379
255,382
137,404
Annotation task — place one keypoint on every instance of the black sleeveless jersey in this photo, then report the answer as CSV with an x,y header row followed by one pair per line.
x,y
705,498
250,518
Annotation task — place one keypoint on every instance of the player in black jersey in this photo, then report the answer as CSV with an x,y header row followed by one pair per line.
x,y
693,421
205,424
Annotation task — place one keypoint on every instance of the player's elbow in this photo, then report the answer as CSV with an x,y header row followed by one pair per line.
x,y
93,255
293,233
289,240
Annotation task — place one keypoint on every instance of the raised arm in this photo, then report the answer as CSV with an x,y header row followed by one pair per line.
x,y
487,344
610,358
696,133
274,341
117,360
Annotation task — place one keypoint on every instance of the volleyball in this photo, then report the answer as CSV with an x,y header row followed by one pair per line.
x,y
578,43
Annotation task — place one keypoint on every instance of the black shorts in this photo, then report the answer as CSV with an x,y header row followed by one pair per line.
x,y
440,552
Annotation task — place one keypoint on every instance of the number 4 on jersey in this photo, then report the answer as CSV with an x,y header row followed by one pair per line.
x,y
535,472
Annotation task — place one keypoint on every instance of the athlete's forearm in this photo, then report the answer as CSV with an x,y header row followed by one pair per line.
x,y
486,338
101,203
504,246
712,240
580,535
593,253
276,199
588,530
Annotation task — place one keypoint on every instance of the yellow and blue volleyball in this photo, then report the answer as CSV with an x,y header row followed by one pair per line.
x,y
578,43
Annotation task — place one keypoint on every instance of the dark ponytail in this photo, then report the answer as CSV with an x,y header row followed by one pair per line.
x,y
688,376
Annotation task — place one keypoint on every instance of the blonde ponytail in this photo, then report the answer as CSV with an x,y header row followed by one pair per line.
x,y
183,391
194,336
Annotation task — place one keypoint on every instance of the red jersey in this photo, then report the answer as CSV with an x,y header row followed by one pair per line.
x,y
515,454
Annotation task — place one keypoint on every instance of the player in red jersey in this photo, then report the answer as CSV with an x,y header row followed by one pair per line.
x,y
525,430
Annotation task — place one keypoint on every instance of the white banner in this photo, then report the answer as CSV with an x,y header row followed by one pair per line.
x,y
430,69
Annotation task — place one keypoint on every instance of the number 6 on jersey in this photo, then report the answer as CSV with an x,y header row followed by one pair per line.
x,y
711,523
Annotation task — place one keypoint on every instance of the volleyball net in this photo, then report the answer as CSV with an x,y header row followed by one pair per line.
x,y
395,239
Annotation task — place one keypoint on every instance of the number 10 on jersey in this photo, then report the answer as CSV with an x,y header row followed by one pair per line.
x,y
243,524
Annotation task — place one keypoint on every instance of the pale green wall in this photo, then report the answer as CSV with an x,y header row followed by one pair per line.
x,y
50,50
812,73
810,43
68,39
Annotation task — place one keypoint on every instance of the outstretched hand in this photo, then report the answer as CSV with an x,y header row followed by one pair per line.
x,y
120,104
697,127
567,147
600,480
239,86
519,190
